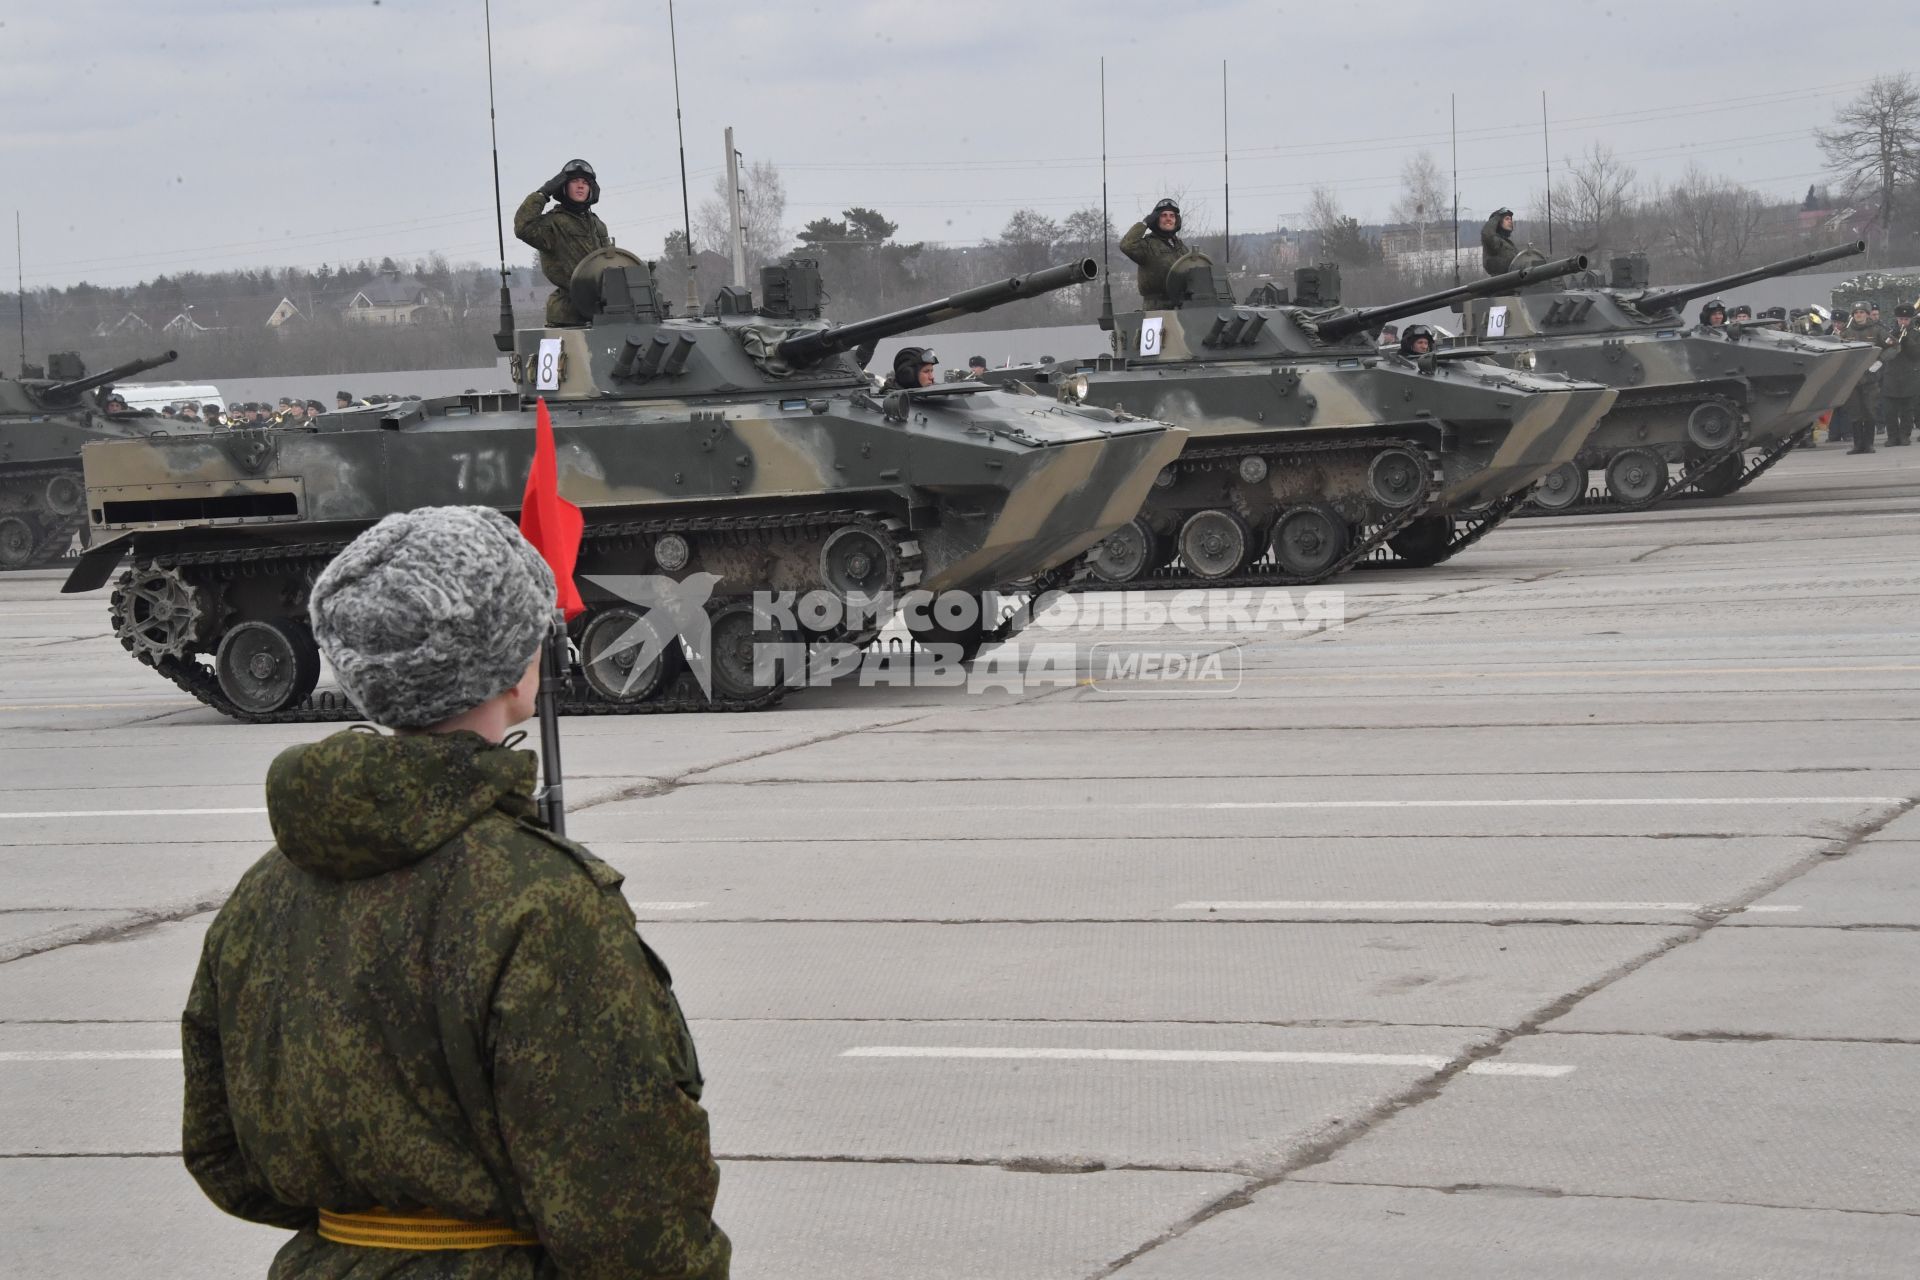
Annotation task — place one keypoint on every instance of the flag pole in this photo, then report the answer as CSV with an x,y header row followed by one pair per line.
x,y
550,800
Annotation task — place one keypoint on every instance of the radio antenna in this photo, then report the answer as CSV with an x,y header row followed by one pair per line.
x,y
686,205
20,265
1106,224
1453,126
503,340
1546,149
1226,176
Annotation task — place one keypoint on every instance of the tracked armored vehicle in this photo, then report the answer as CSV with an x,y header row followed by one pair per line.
x,y
43,423
734,453
1722,404
1312,447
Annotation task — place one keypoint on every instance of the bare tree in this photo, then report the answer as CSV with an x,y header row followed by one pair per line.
x,y
1874,146
1324,214
1595,201
763,208
1423,196
1710,222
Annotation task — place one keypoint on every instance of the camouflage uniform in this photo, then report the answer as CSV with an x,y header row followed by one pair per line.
x,y
1496,247
1900,381
419,999
1860,406
564,238
1155,251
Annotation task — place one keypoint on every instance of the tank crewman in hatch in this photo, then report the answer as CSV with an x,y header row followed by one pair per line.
x,y
1713,314
1154,242
1900,376
1416,341
564,234
913,367
423,1023
1496,243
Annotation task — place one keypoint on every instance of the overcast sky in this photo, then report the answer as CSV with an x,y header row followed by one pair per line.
x,y
139,139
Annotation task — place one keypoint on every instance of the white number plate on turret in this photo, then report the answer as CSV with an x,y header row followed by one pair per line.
x,y
1496,322
546,371
1150,335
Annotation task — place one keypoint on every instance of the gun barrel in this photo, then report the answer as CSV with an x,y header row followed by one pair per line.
x,y
1335,328
805,348
1667,299
64,390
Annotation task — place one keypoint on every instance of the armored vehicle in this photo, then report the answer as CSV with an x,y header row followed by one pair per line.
x,y
733,453
1696,395
1312,446
43,422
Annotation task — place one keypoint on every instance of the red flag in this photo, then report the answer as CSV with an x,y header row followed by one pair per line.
x,y
551,523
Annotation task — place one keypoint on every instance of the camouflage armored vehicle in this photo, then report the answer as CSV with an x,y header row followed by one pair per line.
x,y
1312,446
1691,395
731,453
43,423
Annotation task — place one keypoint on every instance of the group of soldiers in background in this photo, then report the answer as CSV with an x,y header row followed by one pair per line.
x,y
289,411
1888,398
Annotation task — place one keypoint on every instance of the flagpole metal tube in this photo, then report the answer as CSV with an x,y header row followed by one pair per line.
x,y
550,800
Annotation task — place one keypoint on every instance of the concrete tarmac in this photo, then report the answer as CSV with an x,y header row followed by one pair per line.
x,y
1558,915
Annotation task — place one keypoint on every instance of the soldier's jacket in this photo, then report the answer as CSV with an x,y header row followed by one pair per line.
x,y
419,999
1900,363
1155,253
1871,332
1496,250
563,238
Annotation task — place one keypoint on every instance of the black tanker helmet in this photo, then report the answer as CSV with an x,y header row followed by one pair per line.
x,y
1412,333
1711,307
1153,219
907,363
580,169
1501,212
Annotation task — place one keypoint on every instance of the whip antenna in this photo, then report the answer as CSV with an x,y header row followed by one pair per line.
x,y
503,340
1106,223
686,206
1546,149
1453,126
1226,176
20,265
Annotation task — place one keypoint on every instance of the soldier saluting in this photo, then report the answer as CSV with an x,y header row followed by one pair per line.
x,y
1154,242
424,1034
564,234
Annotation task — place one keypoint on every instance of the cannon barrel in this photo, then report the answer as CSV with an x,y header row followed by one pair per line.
x,y
817,344
67,390
1667,299
1334,328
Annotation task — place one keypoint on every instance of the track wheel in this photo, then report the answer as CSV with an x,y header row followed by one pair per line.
x,y
1424,542
1308,541
268,666
16,543
66,494
733,644
1723,477
1636,477
1396,478
1215,543
1129,552
1711,426
1560,488
858,564
948,628
624,655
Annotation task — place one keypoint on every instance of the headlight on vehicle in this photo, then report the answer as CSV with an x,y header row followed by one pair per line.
x,y
1529,361
1073,389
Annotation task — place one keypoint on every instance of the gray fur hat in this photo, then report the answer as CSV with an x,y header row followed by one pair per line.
x,y
431,612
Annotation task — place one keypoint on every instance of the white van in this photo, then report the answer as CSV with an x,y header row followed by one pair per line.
x,y
158,395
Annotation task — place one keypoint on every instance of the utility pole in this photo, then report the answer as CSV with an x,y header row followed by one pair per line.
x,y
733,203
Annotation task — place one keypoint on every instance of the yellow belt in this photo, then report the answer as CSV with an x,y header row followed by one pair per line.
x,y
418,1229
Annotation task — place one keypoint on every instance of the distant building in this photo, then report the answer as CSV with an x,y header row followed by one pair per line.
x,y
128,325
284,314
394,298
186,326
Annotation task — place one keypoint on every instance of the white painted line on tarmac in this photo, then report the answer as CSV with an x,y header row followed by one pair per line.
x,y
90,1055
126,813
1561,803
665,906
1402,905
1432,1061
